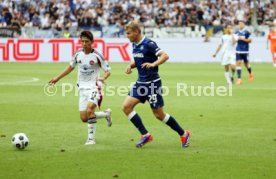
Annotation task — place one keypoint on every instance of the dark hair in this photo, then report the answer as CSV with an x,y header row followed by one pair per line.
x,y
87,34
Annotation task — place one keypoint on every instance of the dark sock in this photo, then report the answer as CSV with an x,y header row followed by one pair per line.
x,y
249,69
239,71
175,126
136,120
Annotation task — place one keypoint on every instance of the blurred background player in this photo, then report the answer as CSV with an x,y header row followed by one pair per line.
x,y
272,39
242,51
228,44
147,57
89,84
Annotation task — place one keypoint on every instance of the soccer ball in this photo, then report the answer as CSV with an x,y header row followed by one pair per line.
x,y
20,140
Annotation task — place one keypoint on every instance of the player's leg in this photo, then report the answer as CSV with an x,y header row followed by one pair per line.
x,y
101,114
128,108
87,114
233,67
239,69
105,114
92,123
226,63
248,66
249,69
83,100
94,99
227,74
169,120
83,116
156,101
273,52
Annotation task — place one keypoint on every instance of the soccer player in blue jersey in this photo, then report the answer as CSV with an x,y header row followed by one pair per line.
x,y
147,57
242,51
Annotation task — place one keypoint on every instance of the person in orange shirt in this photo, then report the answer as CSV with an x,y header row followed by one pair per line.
x,y
272,38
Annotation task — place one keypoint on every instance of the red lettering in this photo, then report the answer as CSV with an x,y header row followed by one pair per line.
x,y
33,56
31,52
6,50
55,47
122,47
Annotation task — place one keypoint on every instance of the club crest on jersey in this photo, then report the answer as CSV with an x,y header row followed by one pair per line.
x,y
91,62
142,47
138,55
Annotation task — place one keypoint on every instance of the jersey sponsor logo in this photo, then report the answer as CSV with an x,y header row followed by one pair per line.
x,y
138,55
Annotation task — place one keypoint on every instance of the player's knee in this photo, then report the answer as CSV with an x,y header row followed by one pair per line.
x,y
83,119
159,116
83,116
126,108
90,111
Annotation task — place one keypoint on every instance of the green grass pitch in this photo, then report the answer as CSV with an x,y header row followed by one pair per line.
x,y
232,136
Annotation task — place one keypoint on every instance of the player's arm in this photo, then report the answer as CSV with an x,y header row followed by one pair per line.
x,y
105,67
217,51
234,39
65,72
61,75
129,68
245,40
162,58
104,76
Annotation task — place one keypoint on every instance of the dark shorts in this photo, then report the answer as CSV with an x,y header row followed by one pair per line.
x,y
242,57
151,92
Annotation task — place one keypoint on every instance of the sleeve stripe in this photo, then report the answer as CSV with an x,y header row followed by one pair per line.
x,y
99,62
158,52
100,55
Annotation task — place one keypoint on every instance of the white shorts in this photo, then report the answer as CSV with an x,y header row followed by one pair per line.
x,y
228,59
89,95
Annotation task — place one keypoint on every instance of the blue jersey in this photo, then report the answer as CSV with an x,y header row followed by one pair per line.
x,y
242,46
146,51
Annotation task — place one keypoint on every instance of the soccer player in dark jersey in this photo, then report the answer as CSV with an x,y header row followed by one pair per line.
x,y
147,57
242,51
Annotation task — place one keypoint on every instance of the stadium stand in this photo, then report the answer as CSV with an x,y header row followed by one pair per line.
x,y
161,18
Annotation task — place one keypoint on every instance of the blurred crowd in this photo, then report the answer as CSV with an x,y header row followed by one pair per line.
x,y
65,14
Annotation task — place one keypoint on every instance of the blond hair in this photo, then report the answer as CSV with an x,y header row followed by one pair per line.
x,y
133,25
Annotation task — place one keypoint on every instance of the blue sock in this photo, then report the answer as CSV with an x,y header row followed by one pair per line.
x,y
170,121
239,71
136,120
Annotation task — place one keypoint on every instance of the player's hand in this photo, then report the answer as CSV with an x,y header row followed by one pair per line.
x,y
128,70
148,65
53,81
101,79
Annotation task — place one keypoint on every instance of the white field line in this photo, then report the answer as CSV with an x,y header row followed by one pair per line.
x,y
32,80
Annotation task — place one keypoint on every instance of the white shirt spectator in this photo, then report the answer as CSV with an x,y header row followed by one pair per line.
x,y
240,15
